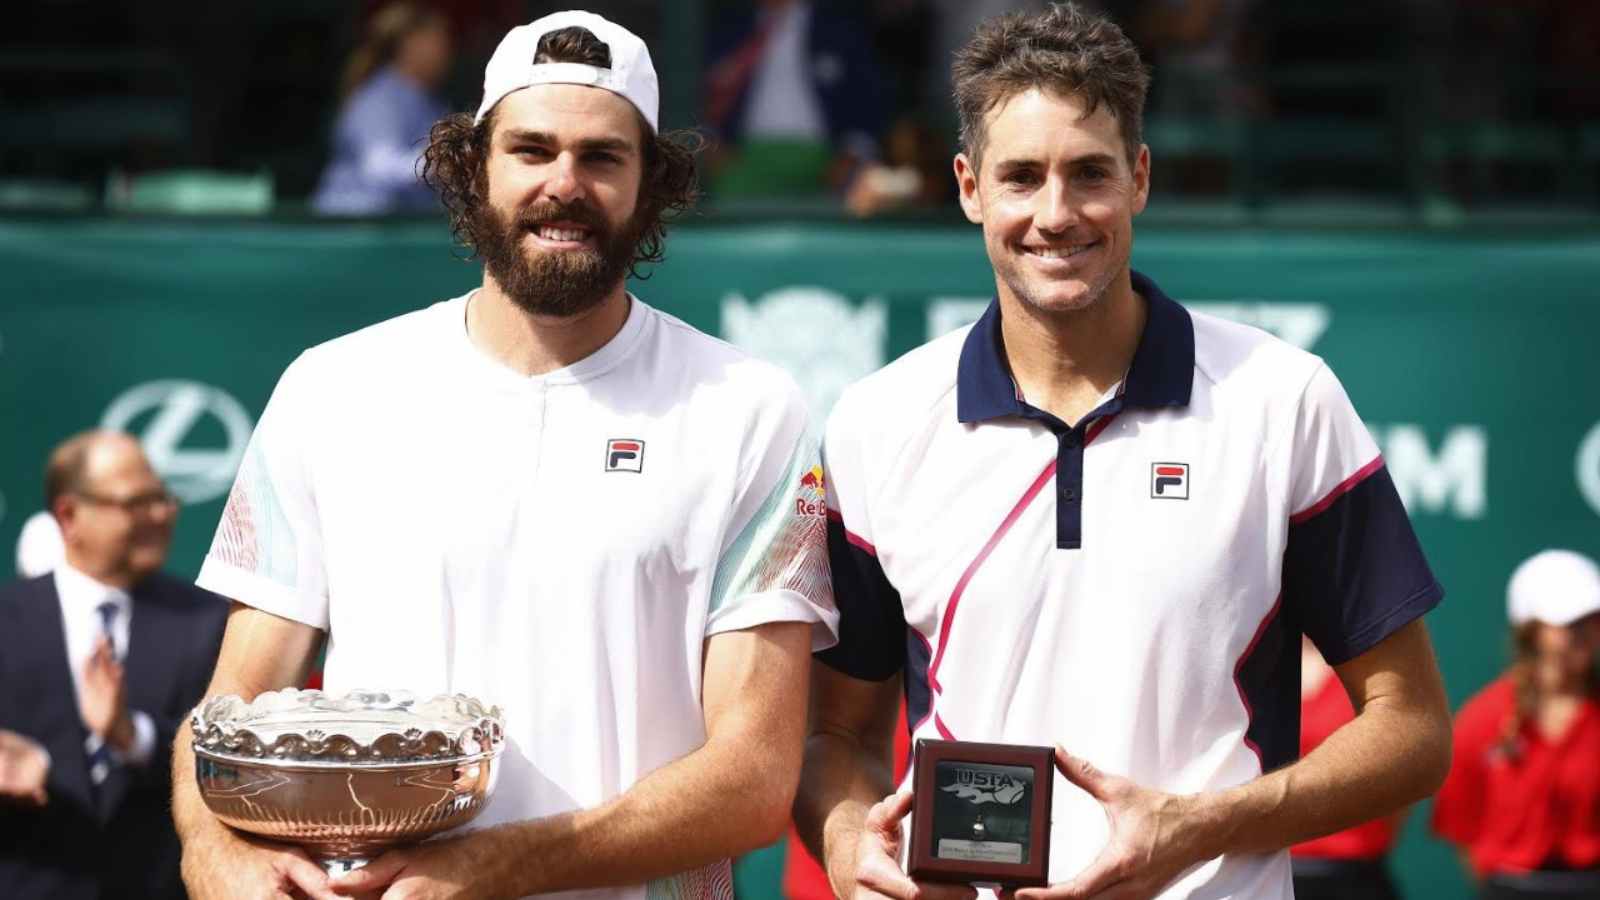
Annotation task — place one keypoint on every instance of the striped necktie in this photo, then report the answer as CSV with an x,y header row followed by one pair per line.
x,y
108,617
101,760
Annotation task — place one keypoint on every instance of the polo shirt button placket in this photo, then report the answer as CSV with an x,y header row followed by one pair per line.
x,y
1069,474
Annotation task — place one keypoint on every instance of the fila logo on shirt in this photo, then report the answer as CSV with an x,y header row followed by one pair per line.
x,y
624,455
1169,481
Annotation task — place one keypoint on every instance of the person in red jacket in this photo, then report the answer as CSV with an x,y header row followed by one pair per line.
x,y
1350,864
1523,798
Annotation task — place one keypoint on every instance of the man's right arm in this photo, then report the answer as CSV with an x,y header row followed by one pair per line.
x,y
849,767
844,810
260,652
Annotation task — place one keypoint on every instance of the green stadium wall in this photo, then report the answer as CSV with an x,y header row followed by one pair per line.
x,y
1472,355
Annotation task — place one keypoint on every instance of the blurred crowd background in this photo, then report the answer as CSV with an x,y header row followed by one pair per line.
x,y
191,193
1434,108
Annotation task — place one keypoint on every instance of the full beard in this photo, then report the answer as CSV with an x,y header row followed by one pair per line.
x,y
560,283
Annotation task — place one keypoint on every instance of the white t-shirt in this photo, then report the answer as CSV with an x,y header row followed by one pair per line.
x,y
561,546
1133,586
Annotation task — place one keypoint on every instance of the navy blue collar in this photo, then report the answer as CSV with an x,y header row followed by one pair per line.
x,y
1162,372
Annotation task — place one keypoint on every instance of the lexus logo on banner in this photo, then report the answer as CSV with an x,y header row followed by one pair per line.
x,y
165,415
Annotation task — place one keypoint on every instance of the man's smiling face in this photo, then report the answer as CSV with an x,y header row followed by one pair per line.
x,y
1056,196
564,172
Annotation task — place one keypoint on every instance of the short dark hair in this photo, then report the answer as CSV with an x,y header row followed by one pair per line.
x,y
1063,49
456,161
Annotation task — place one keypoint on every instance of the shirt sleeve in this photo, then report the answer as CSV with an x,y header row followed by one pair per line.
x,y
1353,571
773,566
268,552
872,625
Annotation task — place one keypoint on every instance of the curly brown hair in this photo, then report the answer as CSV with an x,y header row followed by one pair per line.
x,y
456,163
1065,50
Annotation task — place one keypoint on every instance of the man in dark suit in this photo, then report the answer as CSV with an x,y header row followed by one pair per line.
x,y
99,662
794,98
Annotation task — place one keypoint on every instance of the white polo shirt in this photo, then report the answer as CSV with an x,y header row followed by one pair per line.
x,y
1133,587
561,546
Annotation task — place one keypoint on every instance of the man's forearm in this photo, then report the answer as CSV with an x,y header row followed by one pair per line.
x,y
840,781
1383,760
718,802
190,816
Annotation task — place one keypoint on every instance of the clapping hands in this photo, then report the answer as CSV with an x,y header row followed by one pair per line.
x,y
24,769
102,698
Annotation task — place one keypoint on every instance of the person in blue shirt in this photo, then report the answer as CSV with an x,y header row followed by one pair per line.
x,y
388,107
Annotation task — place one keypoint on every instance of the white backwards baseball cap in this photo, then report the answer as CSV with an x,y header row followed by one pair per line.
x,y
1557,587
631,75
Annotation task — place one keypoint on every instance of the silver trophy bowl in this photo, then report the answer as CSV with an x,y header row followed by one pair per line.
x,y
349,777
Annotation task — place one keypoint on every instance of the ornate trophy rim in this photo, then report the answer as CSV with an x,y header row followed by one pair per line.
x,y
273,730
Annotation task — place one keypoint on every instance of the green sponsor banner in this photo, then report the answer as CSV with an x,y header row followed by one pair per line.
x,y
1471,355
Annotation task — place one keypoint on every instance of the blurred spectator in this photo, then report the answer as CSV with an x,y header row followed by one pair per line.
x,y
1194,47
955,20
1523,798
388,107
914,172
99,662
793,93
1350,864
39,547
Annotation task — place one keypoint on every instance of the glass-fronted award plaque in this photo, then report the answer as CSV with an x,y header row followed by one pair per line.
x,y
981,813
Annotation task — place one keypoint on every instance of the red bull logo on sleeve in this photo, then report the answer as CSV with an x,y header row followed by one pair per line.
x,y
812,498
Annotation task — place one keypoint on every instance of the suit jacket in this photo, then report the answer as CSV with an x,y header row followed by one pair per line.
x,y
841,68
117,840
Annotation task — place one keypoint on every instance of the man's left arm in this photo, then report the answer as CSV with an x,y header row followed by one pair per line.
x,y
1355,580
1395,752
728,797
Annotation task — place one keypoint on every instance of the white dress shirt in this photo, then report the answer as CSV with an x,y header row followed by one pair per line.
x,y
782,102
81,597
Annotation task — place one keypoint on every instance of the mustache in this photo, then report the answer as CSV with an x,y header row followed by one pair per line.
x,y
545,212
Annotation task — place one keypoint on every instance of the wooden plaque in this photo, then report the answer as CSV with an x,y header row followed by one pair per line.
x,y
981,813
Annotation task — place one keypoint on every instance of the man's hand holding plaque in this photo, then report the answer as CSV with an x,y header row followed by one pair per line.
x,y
1154,837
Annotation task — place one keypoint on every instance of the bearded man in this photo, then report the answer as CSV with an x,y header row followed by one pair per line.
x,y
548,495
